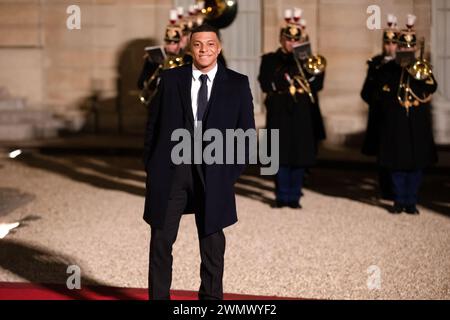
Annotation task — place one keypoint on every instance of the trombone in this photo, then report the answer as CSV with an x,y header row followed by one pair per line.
x,y
314,65
150,85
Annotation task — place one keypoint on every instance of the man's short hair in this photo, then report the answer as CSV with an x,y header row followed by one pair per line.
x,y
206,28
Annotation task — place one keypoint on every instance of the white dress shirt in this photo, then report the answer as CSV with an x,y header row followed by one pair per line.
x,y
196,84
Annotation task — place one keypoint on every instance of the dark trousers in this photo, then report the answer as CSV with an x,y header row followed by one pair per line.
x,y
186,194
289,183
406,186
385,183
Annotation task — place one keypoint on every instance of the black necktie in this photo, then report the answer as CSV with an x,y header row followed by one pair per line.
x,y
202,98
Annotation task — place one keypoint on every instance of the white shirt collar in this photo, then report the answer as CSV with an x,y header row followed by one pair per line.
x,y
197,73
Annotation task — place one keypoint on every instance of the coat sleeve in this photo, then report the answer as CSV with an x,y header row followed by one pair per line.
x,y
316,82
369,84
272,75
246,116
264,77
151,129
245,122
425,87
147,70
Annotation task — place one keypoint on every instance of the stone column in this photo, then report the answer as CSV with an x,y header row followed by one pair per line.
x,y
441,62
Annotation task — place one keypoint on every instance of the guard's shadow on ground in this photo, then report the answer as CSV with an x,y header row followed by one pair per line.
x,y
357,182
111,173
361,184
356,185
256,187
12,199
49,269
349,181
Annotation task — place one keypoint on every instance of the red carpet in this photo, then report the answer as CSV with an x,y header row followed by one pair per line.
x,y
31,291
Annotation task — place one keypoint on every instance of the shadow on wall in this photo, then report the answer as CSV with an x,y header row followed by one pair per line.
x,y
122,113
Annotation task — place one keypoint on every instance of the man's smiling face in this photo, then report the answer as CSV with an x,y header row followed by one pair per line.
x,y
205,48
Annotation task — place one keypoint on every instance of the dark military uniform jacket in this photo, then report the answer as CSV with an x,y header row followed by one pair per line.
x,y
299,120
372,136
406,137
150,68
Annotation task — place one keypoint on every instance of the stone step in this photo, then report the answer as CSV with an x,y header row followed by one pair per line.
x,y
24,116
12,104
17,123
31,124
27,131
17,132
8,102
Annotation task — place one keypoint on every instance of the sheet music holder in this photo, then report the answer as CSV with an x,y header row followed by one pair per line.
x,y
302,51
405,58
156,54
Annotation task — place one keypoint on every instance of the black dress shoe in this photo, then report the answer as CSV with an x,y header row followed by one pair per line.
x,y
411,209
294,205
387,196
398,208
280,204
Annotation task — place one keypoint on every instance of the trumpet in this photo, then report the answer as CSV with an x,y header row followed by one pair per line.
x,y
151,84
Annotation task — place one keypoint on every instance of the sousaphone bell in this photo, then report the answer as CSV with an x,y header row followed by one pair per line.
x,y
220,13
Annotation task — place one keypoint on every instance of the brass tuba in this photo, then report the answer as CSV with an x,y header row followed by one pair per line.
x,y
421,69
219,13
150,85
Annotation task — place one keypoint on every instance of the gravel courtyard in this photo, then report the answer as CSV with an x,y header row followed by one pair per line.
x,y
86,210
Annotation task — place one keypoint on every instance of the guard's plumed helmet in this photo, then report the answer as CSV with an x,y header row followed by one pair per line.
x,y
407,37
391,32
292,30
173,31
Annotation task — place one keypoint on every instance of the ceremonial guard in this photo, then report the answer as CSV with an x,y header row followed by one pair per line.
x,y
291,83
404,87
372,137
174,57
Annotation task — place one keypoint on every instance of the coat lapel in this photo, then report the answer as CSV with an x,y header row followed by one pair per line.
x,y
184,87
217,89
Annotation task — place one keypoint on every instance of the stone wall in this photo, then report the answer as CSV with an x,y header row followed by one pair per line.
x,y
21,49
58,69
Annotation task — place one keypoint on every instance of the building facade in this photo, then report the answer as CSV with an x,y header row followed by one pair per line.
x,y
57,69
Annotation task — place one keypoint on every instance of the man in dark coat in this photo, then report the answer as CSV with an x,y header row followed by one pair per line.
x,y
202,95
292,108
406,142
371,142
